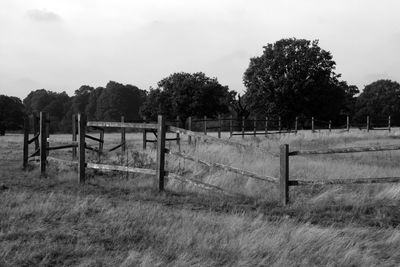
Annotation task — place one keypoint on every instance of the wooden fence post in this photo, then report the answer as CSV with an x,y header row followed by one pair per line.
x,y
296,124
280,124
205,125
219,125
330,126
101,144
389,123
368,124
284,174
36,129
190,128
230,126
47,133
266,126
178,141
242,127
312,124
81,147
348,123
144,136
160,152
26,145
74,139
255,126
123,136
43,144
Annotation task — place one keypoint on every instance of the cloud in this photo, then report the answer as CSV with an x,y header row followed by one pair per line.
x,y
43,15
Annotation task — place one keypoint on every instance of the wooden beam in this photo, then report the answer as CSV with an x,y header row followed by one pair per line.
x,y
105,167
346,181
284,174
122,125
94,138
161,132
346,150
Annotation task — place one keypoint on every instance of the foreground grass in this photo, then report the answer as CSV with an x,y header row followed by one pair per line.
x,y
119,220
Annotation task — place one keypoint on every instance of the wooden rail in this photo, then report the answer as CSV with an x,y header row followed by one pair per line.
x,y
345,181
105,167
345,150
122,125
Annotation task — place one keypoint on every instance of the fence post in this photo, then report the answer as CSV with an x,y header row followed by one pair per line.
x,y
280,124
284,174
178,141
205,125
219,125
242,127
230,126
266,126
312,124
190,129
74,135
101,144
348,123
330,126
43,144
36,129
255,126
389,123
296,124
26,139
123,135
144,135
367,123
47,120
81,147
160,152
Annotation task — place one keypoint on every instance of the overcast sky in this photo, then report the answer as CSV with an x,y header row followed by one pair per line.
x,y
60,45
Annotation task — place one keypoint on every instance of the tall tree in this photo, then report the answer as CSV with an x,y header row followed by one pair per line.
x,y
379,100
184,94
293,77
11,113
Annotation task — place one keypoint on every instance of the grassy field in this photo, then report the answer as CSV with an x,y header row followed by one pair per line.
x,y
119,219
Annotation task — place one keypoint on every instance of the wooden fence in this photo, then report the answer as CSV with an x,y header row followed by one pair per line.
x,y
78,144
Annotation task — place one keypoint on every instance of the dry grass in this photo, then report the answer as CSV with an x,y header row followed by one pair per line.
x,y
120,220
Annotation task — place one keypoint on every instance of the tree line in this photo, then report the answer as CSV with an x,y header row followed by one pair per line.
x,y
291,78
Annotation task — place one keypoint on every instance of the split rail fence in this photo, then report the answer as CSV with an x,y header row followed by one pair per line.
x,y
78,144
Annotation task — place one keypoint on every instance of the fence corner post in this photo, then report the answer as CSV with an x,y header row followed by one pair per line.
x,y
284,174
161,132
26,146
81,147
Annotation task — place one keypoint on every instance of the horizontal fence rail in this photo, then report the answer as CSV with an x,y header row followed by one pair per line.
x,y
345,150
122,125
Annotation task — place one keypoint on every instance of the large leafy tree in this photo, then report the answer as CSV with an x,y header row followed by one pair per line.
x,y
185,94
379,100
294,77
11,113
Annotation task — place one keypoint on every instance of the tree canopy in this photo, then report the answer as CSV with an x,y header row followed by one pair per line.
x,y
294,77
11,113
184,94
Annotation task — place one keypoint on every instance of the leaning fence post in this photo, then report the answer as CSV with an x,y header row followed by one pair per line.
x,y
312,124
74,135
230,126
205,125
348,123
368,124
81,147
389,123
26,139
43,143
284,174
242,127
160,152
123,135
190,129
219,125
255,126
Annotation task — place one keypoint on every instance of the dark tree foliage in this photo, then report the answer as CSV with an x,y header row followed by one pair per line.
x,y
379,100
294,77
11,113
81,99
184,94
118,100
92,104
56,104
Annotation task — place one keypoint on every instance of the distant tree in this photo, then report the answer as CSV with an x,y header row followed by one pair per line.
x,y
81,99
294,77
118,100
184,94
379,99
11,113
240,107
91,107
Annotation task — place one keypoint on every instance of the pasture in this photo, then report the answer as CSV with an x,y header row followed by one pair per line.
x,y
120,219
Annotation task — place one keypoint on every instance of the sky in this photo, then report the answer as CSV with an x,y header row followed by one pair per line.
x,y
60,45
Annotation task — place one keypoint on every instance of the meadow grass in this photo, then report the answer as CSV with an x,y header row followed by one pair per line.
x,y
119,219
